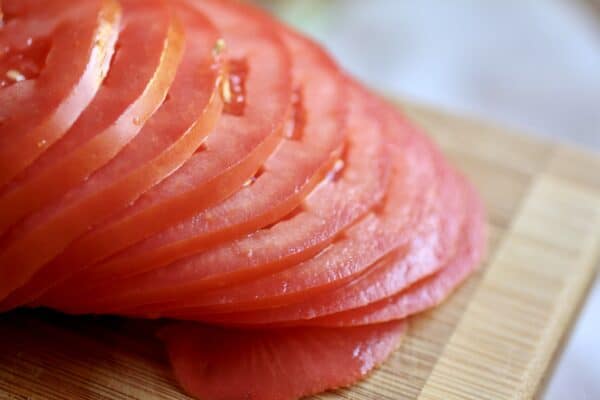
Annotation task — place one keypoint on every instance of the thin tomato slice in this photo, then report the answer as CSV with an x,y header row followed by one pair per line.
x,y
429,292
219,364
432,245
166,141
245,136
387,228
140,76
53,57
388,291
117,113
334,205
314,140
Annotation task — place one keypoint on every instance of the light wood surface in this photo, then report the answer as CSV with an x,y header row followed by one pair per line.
x,y
495,338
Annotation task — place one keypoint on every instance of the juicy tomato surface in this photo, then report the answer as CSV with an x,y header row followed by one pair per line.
x,y
217,364
411,197
199,161
139,77
315,138
334,205
166,141
430,291
54,56
434,242
244,137
388,227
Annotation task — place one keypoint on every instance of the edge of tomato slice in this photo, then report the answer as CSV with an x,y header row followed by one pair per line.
x,y
230,155
100,132
113,118
334,205
430,291
160,148
436,242
293,170
432,244
41,105
384,230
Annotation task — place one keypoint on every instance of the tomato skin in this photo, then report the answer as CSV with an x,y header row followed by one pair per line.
x,y
188,344
103,129
35,113
162,145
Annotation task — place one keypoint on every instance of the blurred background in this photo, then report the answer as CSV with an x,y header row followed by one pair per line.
x,y
532,65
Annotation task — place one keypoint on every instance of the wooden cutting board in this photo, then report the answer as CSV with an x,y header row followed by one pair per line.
x,y
494,339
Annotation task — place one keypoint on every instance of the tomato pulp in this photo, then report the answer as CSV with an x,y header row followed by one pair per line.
x,y
242,141
334,205
54,56
141,72
434,242
117,113
166,141
314,140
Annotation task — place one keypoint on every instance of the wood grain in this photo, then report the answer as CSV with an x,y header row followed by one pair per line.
x,y
493,339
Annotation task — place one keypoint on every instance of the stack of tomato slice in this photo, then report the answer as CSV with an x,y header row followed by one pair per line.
x,y
197,160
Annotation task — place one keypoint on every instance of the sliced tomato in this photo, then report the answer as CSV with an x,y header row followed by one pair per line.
x,y
334,205
167,140
314,140
411,198
244,138
387,292
429,292
432,245
218,364
117,113
53,57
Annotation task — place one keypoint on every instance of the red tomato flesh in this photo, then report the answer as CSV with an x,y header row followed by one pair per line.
x,y
429,292
411,197
324,214
117,113
299,163
217,364
164,143
138,81
54,56
230,155
433,243
199,161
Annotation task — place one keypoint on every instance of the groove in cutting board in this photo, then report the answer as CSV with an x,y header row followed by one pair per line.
x,y
494,338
